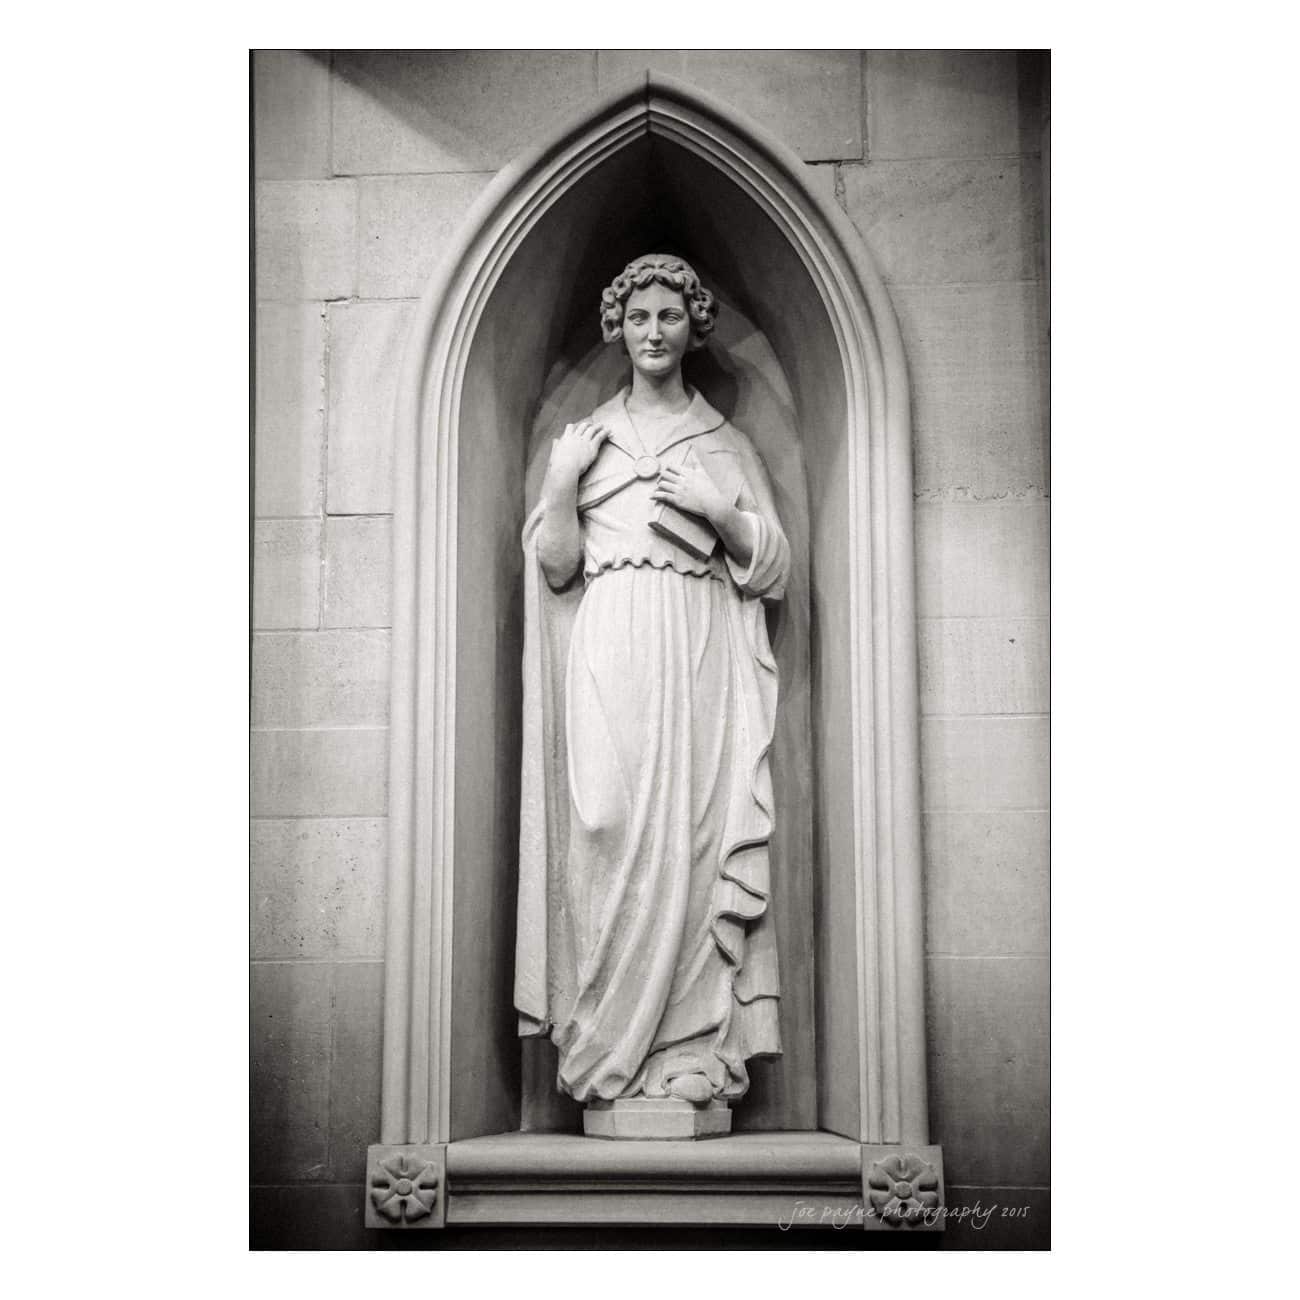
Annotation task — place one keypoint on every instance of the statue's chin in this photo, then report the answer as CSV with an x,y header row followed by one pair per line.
x,y
656,367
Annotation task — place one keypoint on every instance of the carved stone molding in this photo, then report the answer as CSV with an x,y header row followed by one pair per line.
x,y
781,1181
406,1187
902,1188
784,1181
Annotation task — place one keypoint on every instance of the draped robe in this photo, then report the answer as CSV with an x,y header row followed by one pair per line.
x,y
645,944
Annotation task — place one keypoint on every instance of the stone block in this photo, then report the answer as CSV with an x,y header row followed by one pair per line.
x,y
809,99
286,573
290,1072
306,239
978,357
321,679
979,764
358,572
945,104
289,440
291,114
318,887
988,1046
406,224
651,1119
366,342
356,1069
986,883
821,180
449,110
949,220
998,1218
976,560
983,665
332,773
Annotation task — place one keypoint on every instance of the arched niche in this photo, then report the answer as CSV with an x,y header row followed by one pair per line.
x,y
499,346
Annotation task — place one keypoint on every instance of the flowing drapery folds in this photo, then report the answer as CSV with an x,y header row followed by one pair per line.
x,y
645,945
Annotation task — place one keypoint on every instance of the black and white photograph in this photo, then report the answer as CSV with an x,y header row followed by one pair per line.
x,y
650,649
679,649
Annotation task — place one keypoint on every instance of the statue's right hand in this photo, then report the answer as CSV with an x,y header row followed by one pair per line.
x,y
573,452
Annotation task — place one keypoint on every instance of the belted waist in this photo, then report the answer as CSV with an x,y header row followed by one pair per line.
x,y
649,562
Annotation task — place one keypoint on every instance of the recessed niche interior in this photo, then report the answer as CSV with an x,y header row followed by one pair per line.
x,y
775,368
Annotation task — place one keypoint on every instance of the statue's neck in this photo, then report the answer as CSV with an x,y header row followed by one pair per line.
x,y
658,394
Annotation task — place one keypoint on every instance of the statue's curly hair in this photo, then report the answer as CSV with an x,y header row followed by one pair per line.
x,y
672,273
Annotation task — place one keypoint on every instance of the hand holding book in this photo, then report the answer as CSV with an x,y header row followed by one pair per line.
x,y
689,487
691,504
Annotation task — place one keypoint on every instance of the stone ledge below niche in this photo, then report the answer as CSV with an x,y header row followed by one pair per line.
x,y
789,1179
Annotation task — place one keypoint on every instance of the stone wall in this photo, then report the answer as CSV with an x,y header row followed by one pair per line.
x,y
364,165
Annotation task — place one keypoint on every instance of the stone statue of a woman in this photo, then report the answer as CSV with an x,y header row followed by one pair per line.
x,y
645,943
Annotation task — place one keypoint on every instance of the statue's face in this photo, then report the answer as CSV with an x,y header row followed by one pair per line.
x,y
656,329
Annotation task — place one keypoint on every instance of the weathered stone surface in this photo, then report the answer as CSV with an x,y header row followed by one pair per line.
x,y
810,99
289,441
978,356
290,1072
406,224
286,573
291,114
984,763
938,221
355,1071
989,1068
975,560
321,679
366,344
334,773
998,1218
450,111
318,887
986,883
358,572
945,104
984,665
306,239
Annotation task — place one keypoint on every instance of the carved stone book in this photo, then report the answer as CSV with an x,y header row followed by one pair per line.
x,y
690,532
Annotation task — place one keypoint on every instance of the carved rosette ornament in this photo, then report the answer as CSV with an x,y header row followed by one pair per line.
x,y
903,1190
404,1187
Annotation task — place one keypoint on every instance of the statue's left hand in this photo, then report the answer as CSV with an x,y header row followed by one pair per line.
x,y
689,487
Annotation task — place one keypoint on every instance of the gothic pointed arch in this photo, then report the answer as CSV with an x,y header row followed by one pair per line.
x,y
475,358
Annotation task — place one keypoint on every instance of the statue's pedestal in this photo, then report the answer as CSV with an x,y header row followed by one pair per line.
x,y
800,1179
649,1119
